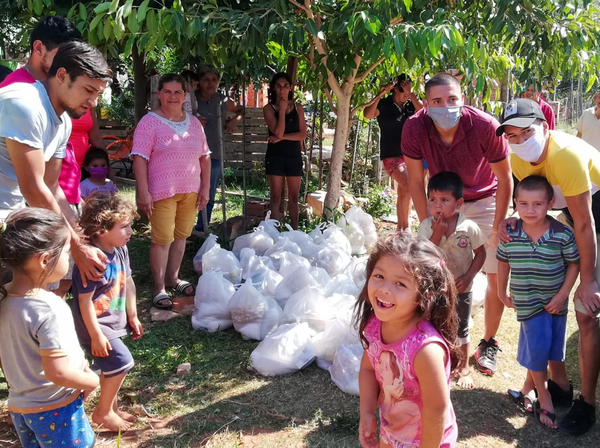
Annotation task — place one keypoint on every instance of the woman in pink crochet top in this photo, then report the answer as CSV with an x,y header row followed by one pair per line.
x,y
406,320
171,162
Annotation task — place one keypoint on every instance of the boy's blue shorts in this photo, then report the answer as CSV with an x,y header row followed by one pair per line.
x,y
542,339
66,426
118,361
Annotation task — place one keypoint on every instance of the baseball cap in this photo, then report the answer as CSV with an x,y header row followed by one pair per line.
x,y
520,112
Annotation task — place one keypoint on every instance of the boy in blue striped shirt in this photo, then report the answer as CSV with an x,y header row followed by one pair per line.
x,y
544,262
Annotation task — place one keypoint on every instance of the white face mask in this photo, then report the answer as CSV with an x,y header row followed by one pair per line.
x,y
445,117
531,149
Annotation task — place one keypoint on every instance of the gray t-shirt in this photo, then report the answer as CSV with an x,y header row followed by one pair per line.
x,y
32,328
27,116
208,110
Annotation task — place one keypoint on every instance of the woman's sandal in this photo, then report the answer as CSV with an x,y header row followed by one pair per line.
x,y
538,412
182,286
518,397
159,301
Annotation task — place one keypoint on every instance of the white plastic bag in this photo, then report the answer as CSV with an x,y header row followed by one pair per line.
x,y
208,244
253,315
317,234
354,234
333,259
479,287
342,284
280,247
253,265
310,306
345,368
286,350
357,269
266,282
271,227
211,311
338,331
293,283
259,240
334,237
364,221
289,263
301,239
321,276
225,261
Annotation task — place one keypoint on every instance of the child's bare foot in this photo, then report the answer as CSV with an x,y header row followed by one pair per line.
x,y
110,421
546,418
464,378
126,416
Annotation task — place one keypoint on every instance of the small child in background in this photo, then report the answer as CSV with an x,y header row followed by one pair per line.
x,y
97,165
544,261
407,322
42,361
104,311
193,81
462,242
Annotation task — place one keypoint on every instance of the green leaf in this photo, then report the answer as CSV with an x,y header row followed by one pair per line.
x,y
312,28
102,7
399,45
408,4
108,29
71,12
142,10
83,12
95,21
128,46
113,6
591,80
38,7
133,24
387,46
151,25
127,8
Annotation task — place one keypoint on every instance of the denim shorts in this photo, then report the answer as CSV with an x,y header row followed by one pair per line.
x,y
542,339
66,426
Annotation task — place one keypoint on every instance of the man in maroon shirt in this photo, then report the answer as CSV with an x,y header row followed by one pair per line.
x,y
462,139
45,39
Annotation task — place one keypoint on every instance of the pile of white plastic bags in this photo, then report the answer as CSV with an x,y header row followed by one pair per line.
x,y
295,292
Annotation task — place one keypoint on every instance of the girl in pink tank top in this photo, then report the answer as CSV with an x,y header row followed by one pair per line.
x,y
407,323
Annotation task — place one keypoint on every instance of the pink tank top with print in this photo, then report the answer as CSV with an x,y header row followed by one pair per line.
x,y
400,402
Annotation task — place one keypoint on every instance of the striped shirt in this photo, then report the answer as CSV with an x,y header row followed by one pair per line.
x,y
538,268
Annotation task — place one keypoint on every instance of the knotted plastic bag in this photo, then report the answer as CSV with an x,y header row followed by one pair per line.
x,y
286,350
208,244
253,315
211,310
224,261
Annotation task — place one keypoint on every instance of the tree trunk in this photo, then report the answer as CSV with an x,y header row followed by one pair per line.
x,y
140,83
339,151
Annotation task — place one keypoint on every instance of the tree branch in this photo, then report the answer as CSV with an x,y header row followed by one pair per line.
x,y
357,61
298,5
330,100
369,70
322,50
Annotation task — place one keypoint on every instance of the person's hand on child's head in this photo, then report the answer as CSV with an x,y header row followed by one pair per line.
x,y
100,346
367,431
136,327
503,231
555,304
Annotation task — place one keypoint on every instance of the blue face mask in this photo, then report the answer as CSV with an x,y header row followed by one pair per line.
x,y
445,117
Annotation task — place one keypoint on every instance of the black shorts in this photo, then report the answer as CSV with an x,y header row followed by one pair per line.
x,y
463,309
283,166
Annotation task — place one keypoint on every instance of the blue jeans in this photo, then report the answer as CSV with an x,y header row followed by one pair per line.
x,y
215,177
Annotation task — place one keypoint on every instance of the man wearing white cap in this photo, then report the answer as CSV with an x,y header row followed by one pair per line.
x,y
573,169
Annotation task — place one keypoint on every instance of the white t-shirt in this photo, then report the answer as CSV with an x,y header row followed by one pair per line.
x,y
27,116
589,126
